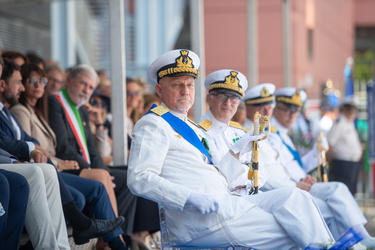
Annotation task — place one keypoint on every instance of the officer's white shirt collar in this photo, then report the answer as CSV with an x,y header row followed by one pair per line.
x,y
280,128
177,114
215,122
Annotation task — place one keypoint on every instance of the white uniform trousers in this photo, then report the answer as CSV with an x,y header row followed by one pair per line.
x,y
285,218
44,222
338,206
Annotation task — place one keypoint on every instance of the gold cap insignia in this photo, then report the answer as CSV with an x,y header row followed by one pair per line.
x,y
295,99
265,96
184,65
184,60
231,82
264,93
232,79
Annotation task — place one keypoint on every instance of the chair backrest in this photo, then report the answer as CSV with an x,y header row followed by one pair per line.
x,y
165,243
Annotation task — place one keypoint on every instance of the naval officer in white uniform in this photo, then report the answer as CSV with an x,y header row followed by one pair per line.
x,y
168,165
280,159
223,99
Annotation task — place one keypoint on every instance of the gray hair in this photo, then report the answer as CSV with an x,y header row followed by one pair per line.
x,y
54,67
86,70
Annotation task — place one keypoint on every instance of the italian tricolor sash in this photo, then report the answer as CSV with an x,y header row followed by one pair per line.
x,y
75,122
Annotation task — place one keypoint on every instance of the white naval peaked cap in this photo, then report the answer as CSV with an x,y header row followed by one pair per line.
x,y
260,94
291,96
227,80
179,62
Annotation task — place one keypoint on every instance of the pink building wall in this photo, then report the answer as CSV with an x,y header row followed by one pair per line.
x,y
364,13
333,39
333,42
269,42
225,35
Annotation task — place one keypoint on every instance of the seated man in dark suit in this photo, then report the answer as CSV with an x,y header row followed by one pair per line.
x,y
14,140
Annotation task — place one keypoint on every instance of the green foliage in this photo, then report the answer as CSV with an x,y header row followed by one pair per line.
x,y
363,66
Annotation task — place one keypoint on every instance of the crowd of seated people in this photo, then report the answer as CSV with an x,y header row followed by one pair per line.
x,y
50,199
101,192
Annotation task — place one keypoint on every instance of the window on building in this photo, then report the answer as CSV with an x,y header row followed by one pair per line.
x,y
310,44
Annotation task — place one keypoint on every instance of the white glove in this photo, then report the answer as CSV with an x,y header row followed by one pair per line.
x,y
323,144
316,152
205,203
243,143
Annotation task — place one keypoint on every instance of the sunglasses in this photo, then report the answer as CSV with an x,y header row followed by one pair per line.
x,y
35,80
97,103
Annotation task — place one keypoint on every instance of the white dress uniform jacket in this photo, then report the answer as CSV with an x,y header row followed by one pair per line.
x,y
334,199
309,160
221,137
166,168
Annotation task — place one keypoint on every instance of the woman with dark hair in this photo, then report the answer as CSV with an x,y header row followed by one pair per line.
x,y
32,114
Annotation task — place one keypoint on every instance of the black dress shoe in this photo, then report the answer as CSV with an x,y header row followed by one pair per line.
x,y
98,228
117,244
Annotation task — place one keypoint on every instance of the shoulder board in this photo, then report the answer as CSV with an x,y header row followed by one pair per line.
x,y
190,120
205,124
160,110
273,129
235,125
246,130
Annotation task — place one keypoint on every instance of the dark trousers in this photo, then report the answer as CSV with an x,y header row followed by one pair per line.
x,y
345,172
97,200
126,201
14,194
141,214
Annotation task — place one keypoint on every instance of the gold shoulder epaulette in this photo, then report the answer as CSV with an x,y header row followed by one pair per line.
x,y
160,110
235,125
205,124
273,129
190,120
246,130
